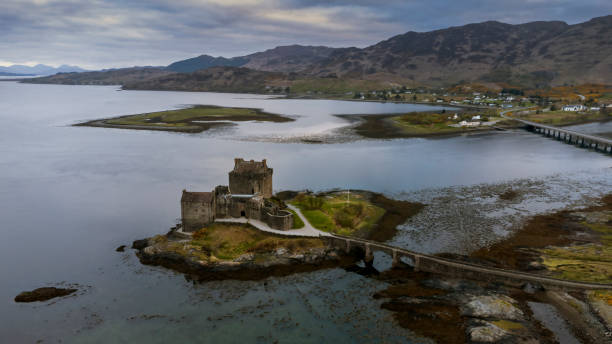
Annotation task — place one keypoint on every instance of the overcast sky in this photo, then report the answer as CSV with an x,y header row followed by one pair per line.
x,y
119,33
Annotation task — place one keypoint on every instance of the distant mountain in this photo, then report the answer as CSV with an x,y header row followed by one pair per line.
x,y
39,69
532,54
119,76
14,74
203,62
291,58
214,79
536,54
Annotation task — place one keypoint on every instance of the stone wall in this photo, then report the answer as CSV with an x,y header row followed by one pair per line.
x,y
196,215
248,184
250,177
283,220
222,200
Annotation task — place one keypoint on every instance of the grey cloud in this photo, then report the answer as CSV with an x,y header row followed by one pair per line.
x,y
113,33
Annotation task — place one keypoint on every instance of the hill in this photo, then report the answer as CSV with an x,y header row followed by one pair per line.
x,y
291,58
203,62
39,69
214,79
533,54
107,77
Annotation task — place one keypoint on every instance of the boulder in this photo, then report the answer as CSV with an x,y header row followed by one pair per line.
x,y
43,294
492,306
486,333
140,244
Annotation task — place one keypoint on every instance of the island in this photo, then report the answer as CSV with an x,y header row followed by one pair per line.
x,y
192,119
244,231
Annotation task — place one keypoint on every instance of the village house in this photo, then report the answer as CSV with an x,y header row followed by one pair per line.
x,y
465,123
574,108
248,195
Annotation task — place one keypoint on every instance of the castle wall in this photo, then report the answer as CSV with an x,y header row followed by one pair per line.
x,y
222,201
196,215
251,177
248,184
283,220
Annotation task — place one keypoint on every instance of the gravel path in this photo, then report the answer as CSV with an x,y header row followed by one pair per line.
x,y
307,230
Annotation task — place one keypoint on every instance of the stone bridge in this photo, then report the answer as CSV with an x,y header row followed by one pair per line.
x,y
597,143
454,268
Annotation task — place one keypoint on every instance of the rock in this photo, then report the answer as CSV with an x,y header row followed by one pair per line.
x,y
595,217
487,333
535,265
280,251
140,244
489,306
43,294
120,248
247,257
299,257
531,288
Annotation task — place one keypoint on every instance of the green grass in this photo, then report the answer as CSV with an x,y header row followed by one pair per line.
x,y
332,213
589,262
297,221
564,117
229,241
185,117
424,123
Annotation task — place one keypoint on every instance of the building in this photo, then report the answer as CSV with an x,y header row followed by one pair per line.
x,y
248,195
574,108
465,123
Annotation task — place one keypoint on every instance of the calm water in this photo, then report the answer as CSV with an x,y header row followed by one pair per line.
x,y
70,195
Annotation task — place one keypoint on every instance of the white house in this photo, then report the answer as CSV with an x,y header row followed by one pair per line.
x,y
574,108
476,118
465,123
595,108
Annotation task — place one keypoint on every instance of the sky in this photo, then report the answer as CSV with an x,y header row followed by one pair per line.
x,y
97,34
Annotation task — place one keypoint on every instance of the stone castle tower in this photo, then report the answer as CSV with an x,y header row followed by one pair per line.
x,y
251,177
247,196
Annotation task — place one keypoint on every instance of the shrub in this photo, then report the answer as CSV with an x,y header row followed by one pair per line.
x,y
313,202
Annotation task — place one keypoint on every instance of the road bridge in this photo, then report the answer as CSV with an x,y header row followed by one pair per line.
x,y
597,143
456,268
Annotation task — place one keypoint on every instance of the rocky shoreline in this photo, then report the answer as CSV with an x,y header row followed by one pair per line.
x,y
277,261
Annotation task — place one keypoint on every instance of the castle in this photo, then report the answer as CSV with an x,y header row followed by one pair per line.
x,y
248,195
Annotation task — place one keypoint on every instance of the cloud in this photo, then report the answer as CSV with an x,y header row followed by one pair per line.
x,y
114,33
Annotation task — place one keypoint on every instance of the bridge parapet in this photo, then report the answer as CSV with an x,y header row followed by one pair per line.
x,y
455,268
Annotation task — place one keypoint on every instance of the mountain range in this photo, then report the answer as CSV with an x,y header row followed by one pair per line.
x,y
39,69
535,54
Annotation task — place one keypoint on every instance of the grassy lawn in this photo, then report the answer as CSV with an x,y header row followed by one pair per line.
x,y
297,221
564,117
420,123
187,116
332,213
590,262
221,241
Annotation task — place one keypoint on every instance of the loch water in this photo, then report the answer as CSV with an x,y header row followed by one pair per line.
x,y
70,195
